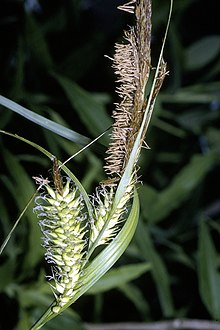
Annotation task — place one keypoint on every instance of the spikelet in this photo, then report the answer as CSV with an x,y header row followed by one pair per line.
x,y
62,222
132,67
107,219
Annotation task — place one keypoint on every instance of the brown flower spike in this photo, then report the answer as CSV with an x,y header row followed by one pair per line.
x,y
132,65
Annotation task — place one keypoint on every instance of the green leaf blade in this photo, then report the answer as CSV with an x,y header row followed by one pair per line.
x,y
208,273
119,276
202,52
159,270
162,204
44,122
90,110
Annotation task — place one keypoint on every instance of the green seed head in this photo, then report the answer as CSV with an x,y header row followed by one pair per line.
x,y
62,221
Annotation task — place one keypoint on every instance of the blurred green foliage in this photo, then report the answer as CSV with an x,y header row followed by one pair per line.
x,y
52,62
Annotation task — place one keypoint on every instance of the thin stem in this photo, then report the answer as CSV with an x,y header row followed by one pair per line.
x,y
17,222
85,147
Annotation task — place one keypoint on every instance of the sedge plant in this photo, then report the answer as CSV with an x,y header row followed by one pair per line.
x,y
73,223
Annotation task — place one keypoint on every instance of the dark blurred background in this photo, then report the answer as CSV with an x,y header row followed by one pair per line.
x,y
52,62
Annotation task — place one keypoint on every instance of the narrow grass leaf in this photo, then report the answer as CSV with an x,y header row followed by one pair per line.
x,y
94,46
202,52
119,276
159,272
2,247
22,197
208,272
37,43
91,111
7,274
180,188
135,295
44,122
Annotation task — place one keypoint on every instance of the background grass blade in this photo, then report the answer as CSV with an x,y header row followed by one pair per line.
x,y
119,276
44,122
157,205
208,271
158,268
88,107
